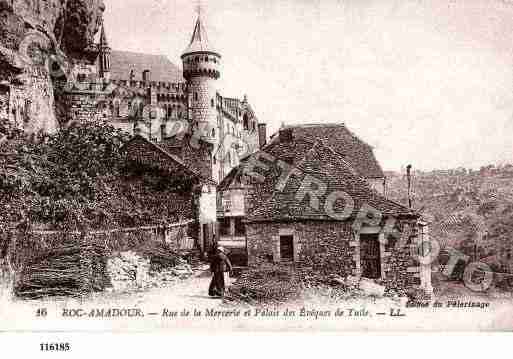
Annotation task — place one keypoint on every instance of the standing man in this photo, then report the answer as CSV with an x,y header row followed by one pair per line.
x,y
219,264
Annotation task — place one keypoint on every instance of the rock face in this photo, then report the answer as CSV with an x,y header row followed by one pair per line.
x,y
33,35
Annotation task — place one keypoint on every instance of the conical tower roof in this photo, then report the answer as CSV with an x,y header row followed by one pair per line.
x,y
103,37
199,41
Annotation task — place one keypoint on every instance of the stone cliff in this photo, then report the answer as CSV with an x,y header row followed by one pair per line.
x,y
33,34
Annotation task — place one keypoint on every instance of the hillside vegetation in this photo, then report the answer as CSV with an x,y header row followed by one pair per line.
x,y
471,211
78,178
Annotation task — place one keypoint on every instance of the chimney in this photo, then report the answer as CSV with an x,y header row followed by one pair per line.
x,y
146,75
408,176
262,134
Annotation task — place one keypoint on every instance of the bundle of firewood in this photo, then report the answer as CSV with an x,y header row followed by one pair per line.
x,y
70,270
265,285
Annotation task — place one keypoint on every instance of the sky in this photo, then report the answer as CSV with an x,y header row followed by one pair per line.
x,y
425,82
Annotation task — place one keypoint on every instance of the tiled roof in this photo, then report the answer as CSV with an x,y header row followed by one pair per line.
x,y
339,138
199,40
122,62
290,152
162,151
326,166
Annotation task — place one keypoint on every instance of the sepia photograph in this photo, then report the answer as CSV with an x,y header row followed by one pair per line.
x,y
256,166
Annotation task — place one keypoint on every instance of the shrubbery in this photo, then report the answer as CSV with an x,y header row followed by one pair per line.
x,y
75,179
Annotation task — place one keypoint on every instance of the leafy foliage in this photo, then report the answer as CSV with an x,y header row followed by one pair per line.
x,y
471,211
78,178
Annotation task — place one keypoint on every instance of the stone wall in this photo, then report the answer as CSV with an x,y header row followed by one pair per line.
x,y
401,269
332,248
85,106
202,108
323,246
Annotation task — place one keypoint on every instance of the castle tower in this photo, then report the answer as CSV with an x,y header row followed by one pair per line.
x,y
201,69
104,56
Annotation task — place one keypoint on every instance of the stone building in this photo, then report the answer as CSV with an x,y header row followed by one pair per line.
x,y
177,117
190,188
232,202
150,96
300,202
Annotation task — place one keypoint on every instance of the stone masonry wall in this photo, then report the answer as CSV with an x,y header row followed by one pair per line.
x,y
400,267
323,246
332,248
84,107
201,109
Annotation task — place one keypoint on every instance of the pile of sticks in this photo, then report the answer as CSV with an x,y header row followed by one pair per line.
x,y
265,286
75,269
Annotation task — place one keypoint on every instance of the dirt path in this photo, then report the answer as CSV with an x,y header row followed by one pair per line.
x,y
191,296
191,292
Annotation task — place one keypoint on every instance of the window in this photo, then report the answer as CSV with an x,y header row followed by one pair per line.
x,y
212,103
370,256
246,123
224,226
213,133
195,96
240,228
287,248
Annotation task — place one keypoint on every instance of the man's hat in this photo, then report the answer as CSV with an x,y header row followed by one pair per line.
x,y
221,249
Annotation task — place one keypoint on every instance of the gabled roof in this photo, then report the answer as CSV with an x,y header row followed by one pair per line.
x,y
290,152
340,139
327,167
162,159
199,40
123,62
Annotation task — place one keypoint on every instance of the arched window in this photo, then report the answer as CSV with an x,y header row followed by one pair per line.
x,y
141,109
195,96
213,133
212,102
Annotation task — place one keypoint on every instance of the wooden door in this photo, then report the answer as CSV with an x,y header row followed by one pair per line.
x,y
287,248
370,257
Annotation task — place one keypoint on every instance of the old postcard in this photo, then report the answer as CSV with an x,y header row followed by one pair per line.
x,y
257,165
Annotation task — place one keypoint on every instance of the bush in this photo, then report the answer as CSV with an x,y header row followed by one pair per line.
x,y
77,179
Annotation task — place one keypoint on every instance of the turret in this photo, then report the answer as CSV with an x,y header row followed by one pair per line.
x,y
201,69
104,56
